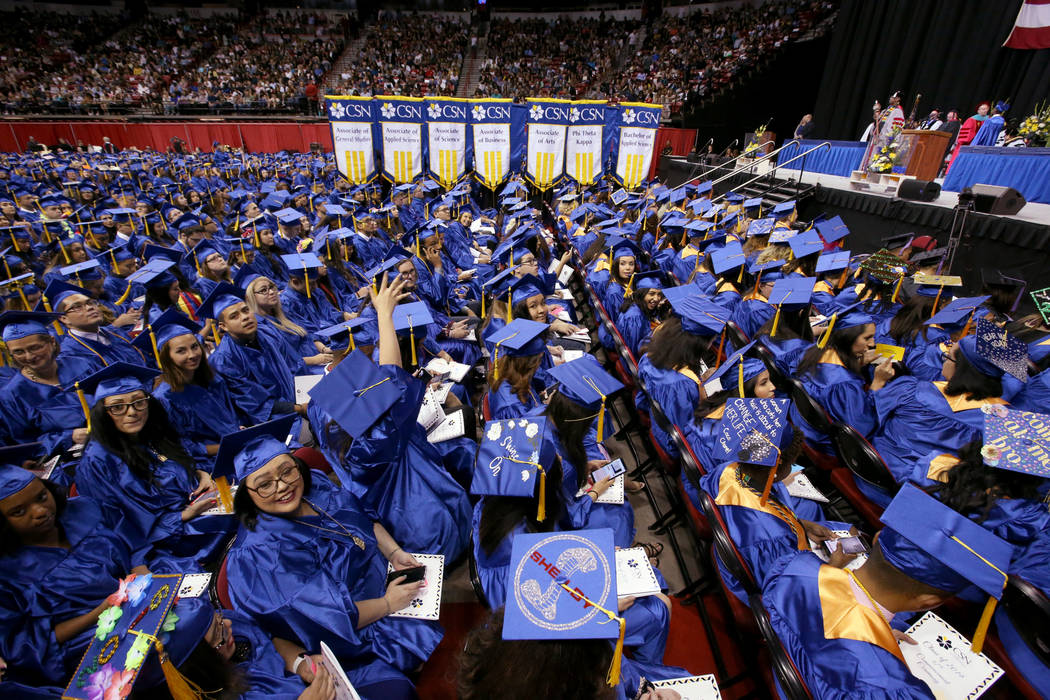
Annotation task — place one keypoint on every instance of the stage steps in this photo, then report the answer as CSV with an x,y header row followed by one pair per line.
x,y
332,84
470,72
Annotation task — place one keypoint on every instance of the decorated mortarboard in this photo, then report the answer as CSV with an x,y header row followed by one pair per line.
x,y
513,457
993,351
782,235
729,257
755,431
744,369
145,615
562,585
958,311
760,227
834,261
356,393
806,243
222,297
15,325
1016,440
783,209
116,378
929,542
1041,298
585,382
249,449
885,267
832,229
699,316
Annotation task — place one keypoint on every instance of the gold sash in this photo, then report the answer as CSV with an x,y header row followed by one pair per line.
x,y
731,493
962,403
846,618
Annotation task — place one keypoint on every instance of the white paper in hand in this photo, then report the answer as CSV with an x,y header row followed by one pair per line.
x,y
303,384
614,495
427,606
457,370
194,585
942,658
822,553
693,687
343,689
634,574
451,426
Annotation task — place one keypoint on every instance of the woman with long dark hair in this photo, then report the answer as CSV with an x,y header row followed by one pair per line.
x,y
136,463
516,356
916,417
623,268
310,566
641,312
909,329
61,559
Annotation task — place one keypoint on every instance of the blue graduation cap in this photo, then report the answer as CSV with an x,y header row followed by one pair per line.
x,y
929,542
782,235
652,279
746,370
755,431
729,257
784,209
15,456
412,316
116,378
563,586
585,382
87,270
734,197
806,243
15,325
14,478
832,229
843,318
342,334
753,203
521,337
700,206
289,217
832,262
1016,440
760,227
222,297
958,311
169,325
153,274
792,291
248,450
700,316
58,291
152,252
704,187
513,456
302,264
356,393
760,267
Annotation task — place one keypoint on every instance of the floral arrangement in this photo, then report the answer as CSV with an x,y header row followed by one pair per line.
x,y
756,140
884,159
1036,128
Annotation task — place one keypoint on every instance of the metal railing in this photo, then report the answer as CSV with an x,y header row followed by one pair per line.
x,y
737,171
826,144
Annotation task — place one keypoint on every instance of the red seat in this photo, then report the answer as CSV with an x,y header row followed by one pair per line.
x,y
486,410
222,586
314,459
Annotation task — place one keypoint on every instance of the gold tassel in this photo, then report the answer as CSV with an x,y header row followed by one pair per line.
x,y
776,322
936,301
769,484
740,378
180,687
897,290
740,277
225,497
827,332
842,278
83,405
982,626
510,308
153,344
306,276
124,296
614,668
601,420
351,334
541,509
412,339
495,363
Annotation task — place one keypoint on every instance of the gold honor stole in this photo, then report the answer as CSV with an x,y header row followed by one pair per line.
x,y
731,493
846,618
961,403
685,371
823,286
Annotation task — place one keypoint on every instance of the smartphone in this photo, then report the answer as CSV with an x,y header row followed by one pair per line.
x,y
849,545
610,471
412,574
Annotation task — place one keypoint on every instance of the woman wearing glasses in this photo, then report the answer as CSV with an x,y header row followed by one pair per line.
x,y
264,299
135,463
310,566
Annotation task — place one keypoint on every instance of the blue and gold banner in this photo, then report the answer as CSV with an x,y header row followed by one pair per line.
x,y
351,122
583,142
400,121
448,139
492,140
548,121
634,132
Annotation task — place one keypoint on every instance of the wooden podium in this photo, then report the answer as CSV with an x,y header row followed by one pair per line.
x,y
926,152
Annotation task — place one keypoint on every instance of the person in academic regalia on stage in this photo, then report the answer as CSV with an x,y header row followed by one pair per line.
x,y
968,131
989,133
835,624
364,415
310,565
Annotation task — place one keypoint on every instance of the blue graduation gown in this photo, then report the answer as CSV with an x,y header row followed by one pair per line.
x,y
264,669
677,393
154,509
33,411
256,377
504,403
582,513
100,355
313,313
635,328
843,396
1033,565
842,648
752,314
43,586
1036,394
397,474
200,415
915,418
299,579
612,299
296,347
648,620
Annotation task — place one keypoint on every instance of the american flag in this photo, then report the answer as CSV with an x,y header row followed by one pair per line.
x,y
1032,26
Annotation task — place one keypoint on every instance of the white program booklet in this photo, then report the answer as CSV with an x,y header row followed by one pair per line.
x,y
693,687
303,384
943,659
822,554
343,689
634,574
194,585
614,495
451,426
456,370
799,486
430,411
566,272
427,606
570,355
440,393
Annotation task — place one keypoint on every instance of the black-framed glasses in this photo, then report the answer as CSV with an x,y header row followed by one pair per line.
x,y
945,357
81,306
119,409
288,475
266,289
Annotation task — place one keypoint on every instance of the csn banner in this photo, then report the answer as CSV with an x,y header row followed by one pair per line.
x,y
548,120
400,121
447,138
492,138
583,142
634,137
351,120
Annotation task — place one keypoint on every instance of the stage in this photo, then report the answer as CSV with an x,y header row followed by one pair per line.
x,y
1018,245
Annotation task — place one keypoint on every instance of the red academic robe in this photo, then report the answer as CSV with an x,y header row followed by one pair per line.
x,y
967,132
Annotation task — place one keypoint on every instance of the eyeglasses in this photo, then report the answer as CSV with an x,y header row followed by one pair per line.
x,y
25,352
81,306
267,488
266,289
945,357
119,409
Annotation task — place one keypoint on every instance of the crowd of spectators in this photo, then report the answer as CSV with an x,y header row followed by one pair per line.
x,y
170,64
407,54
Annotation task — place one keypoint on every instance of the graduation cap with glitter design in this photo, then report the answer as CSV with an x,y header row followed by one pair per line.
x,y
885,267
1016,440
760,227
754,431
1041,297
562,585
513,458
1001,349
